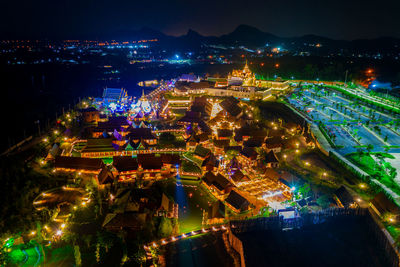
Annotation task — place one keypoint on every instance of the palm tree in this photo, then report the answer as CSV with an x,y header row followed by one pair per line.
x,y
369,148
359,151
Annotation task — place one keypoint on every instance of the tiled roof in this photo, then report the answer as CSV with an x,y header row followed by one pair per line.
x,y
125,163
78,163
202,151
149,161
99,145
237,201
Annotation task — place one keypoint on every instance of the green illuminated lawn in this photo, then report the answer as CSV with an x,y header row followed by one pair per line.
x,y
368,164
196,198
188,166
21,256
107,160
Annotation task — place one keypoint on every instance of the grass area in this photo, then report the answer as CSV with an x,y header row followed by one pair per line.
x,y
190,157
368,164
107,160
188,166
175,97
365,100
321,128
192,200
62,256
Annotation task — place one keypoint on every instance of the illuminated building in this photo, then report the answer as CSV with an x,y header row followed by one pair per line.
x,y
147,165
90,115
237,202
216,213
246,74
142,108
271,161
217,183
248,78
114,95
75,164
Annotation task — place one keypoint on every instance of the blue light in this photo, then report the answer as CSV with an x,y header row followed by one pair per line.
x,y
293,188
177,56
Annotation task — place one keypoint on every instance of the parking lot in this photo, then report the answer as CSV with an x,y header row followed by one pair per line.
x,y
350,123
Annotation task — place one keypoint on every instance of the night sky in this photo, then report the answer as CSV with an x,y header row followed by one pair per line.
x,y
340,19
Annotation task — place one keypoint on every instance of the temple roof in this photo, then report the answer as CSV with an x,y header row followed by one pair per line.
x,y
219,181
237,201
125,163
98,145
78,163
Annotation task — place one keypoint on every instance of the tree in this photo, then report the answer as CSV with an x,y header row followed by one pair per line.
x,y
323,201
359,151
165,227
369,148
77,254
106,239
304,190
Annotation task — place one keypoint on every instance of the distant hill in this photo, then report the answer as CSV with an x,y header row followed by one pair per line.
x,y
251,37
248,36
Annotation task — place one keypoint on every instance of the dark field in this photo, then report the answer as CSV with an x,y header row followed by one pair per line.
x,y
340,242
205,250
